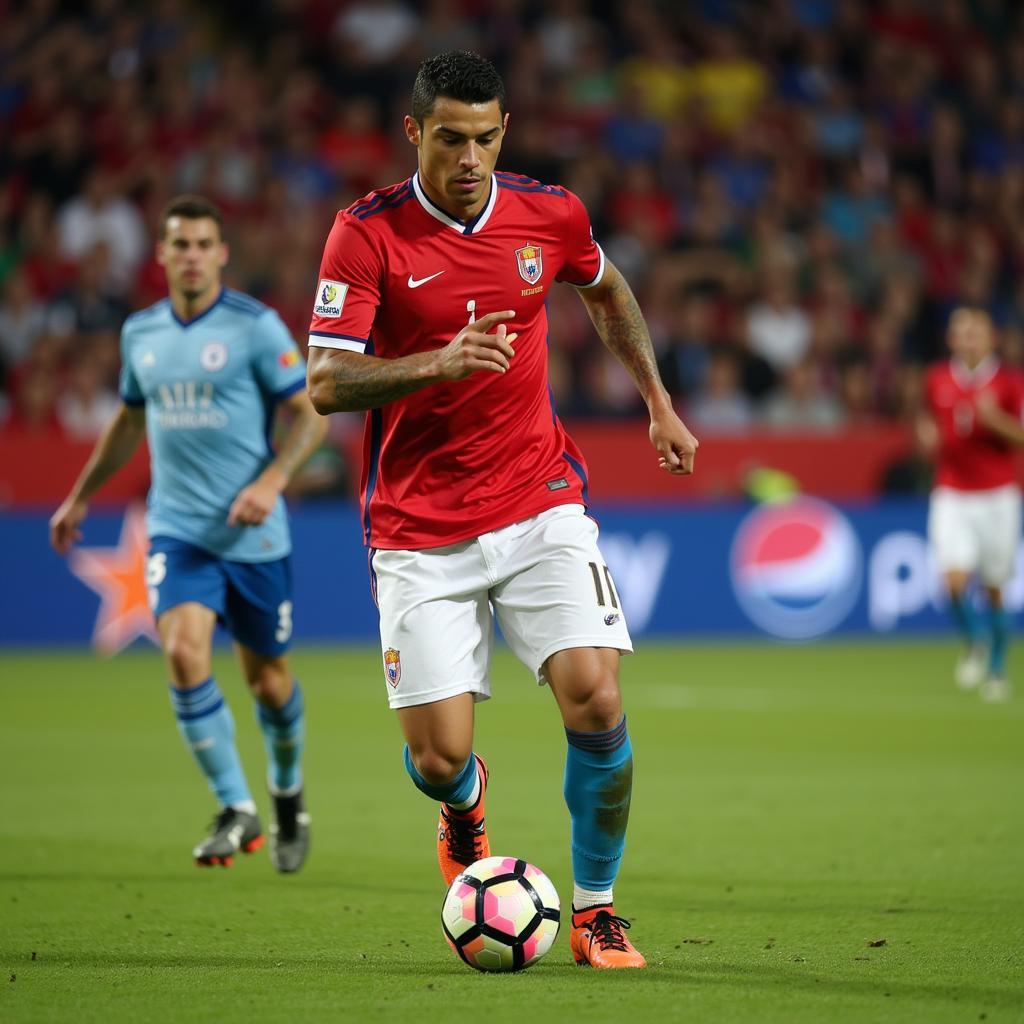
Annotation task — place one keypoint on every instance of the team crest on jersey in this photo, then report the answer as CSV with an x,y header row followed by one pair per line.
x,y
213,356
530,263
330,298
393,666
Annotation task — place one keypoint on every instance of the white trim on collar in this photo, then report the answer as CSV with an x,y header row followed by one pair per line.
x,y
976,378
471,227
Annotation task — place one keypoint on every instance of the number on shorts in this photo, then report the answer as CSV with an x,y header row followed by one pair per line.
x,y
963,418
156,569
596,573
284,622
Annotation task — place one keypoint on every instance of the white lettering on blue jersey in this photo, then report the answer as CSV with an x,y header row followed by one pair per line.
x,y
210,387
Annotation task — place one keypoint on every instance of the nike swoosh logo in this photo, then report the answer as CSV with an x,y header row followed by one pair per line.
x,y
413,283
235,836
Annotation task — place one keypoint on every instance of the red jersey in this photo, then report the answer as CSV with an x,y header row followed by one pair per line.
x,y
972,457
399,275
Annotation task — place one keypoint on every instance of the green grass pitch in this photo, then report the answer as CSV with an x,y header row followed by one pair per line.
x,y
821,833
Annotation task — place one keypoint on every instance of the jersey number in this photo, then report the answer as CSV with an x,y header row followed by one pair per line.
x,y
284,622
596,571
156,573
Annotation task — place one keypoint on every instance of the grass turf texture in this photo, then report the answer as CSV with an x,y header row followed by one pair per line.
x,y
794,807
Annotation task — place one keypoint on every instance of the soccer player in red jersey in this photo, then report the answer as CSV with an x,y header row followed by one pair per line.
x,y
430,314
974,406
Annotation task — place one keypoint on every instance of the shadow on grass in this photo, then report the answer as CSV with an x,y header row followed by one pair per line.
x,y
693,976
300,883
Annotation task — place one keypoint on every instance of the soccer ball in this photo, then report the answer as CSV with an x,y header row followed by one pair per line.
x,y
500,914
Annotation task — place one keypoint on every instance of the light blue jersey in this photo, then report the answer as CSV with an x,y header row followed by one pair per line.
x,y
210,387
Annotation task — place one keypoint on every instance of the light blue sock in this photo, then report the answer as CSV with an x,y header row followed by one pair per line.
x,y
209,730
999,623
284,735
598,785
966,618
458,791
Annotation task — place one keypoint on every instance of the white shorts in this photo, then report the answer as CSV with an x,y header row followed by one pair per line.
x,y
544,578
976,531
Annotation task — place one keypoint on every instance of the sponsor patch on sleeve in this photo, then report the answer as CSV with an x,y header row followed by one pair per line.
x,y
289,358
330,298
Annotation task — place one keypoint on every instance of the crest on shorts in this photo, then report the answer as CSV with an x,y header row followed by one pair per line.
x,y
393,666
530,263
213,356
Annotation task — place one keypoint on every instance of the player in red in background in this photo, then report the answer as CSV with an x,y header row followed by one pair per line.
x,y
974,408
430,313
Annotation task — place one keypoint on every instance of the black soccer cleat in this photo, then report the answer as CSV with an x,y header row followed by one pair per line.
x,y
232,830
289,835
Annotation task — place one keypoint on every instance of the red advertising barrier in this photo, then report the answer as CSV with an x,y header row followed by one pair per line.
x,y
37,471
841,466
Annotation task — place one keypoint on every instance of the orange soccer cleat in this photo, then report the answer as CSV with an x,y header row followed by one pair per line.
x,y
462,835
598,939
232,830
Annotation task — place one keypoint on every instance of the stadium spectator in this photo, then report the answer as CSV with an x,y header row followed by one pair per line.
x,y
87,405
23,320
802,403
721,406
100,214
778,330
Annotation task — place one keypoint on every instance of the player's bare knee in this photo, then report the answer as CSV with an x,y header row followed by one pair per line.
x,y
604,709
595,706
187,657
438,767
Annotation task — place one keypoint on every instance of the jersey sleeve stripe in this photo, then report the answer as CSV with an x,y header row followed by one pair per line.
x,y
287,392
383,208
141,314
380,203
338,341
597,277
242,301
521,183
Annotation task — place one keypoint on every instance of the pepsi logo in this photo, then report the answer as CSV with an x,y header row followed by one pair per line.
x,y
796,568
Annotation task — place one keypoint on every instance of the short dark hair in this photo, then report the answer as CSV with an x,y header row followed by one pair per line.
x,y
191,208
459,75
971,309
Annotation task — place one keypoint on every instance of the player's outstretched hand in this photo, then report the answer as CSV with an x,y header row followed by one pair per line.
x,y
65,523
675,445
474,348
254,503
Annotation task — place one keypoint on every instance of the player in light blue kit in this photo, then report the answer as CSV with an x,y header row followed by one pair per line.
x,y
203,372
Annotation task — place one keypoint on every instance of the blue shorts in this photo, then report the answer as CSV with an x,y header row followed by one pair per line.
x,y
253,600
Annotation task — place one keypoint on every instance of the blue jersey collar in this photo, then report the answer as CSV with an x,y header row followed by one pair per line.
x,y
209,309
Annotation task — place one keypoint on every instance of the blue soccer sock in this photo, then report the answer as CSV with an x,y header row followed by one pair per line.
x,y
966,618
999,624
457,793
598,785
284,734
209,730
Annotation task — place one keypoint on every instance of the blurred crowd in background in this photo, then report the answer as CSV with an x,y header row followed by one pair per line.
x,y
798,190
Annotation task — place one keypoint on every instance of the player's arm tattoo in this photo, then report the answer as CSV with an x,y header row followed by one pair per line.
x,y
348,382
620,324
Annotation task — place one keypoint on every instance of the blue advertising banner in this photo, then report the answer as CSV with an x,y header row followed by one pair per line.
x,y
794,571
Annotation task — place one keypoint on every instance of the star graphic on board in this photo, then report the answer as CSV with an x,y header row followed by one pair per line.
x,y
118,575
